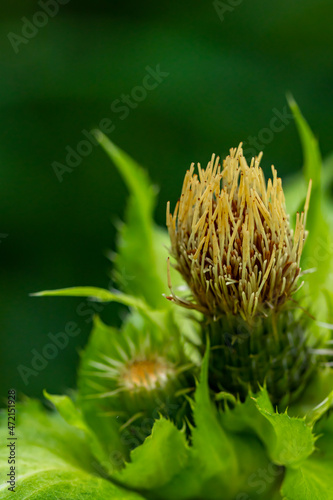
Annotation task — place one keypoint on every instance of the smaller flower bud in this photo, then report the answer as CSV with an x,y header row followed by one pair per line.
x,y
136,378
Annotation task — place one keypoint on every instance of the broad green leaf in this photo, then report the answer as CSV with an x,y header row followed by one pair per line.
x,y
136,264
53,460
103,295
57,481
153,464
292,441
317,252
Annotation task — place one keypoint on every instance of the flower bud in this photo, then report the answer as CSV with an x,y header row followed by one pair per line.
x,y
233,244
232,241
135,377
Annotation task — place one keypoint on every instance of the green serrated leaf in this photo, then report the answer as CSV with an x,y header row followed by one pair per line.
x,y
157,460
292,441
136,260
53,461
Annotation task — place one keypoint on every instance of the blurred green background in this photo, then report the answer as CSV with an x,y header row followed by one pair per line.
x,y
227,78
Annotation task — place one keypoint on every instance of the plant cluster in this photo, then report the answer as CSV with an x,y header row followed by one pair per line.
x,y
221,389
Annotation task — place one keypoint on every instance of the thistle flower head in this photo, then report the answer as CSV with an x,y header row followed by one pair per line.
x,y
232,241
